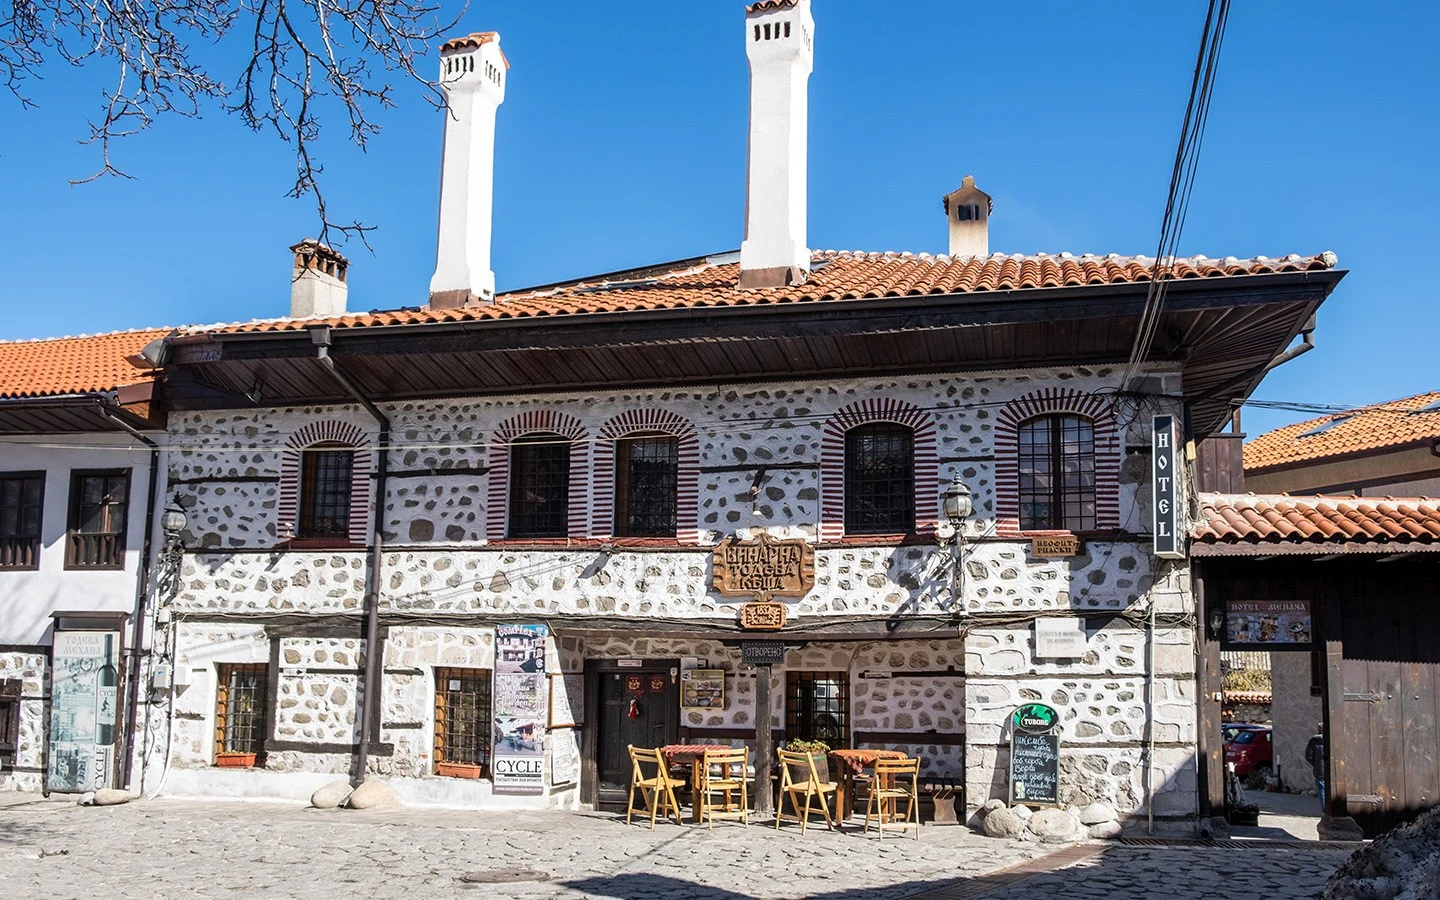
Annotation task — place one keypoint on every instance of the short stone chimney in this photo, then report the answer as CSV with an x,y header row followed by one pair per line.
x,y
968,210
472,74
317,283
780,44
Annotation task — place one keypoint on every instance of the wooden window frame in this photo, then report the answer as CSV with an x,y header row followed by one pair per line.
x,y
37,541
484,716
521,525
902,516
305,518
1055,457
11,690
800,708
623,484
224,673
72,532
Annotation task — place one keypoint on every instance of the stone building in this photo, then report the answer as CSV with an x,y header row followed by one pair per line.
x,y
413,484
79,475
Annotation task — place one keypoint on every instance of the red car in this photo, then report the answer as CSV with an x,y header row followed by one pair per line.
x,y
1251,750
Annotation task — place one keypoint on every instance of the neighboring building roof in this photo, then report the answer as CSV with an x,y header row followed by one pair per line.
x,y
1272,524
1389,425
838,276
72,365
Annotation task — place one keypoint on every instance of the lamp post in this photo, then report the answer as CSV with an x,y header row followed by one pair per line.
x,y
172,523
957,505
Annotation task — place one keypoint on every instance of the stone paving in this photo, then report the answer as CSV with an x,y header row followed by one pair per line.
x,y
190,849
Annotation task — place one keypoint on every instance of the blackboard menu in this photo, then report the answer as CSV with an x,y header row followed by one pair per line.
x,y
1034,768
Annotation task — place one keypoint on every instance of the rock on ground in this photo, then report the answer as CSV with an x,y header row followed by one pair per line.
x,y
1003,822
1024,812
111,797
1053,823
1096,813
372,794
331,795
1402,864
1104,831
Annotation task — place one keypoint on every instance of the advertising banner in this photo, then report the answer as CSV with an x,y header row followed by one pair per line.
x,y
520,698
1269,622
83,698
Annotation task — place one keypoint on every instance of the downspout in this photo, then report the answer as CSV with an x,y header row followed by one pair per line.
x,y
374,651
142,595
1307,343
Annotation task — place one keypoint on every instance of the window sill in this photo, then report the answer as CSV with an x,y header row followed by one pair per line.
x,y
591,543
317,543
883,540
35,568
460,770
108,567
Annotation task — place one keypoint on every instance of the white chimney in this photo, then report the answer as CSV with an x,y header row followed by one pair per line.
x,y
780,44
968,209
472,74
317,283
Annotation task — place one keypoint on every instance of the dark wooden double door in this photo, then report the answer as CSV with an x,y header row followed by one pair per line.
x,y
639,706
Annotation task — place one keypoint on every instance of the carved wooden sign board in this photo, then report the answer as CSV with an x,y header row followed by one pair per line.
x,y
1055,545
764,568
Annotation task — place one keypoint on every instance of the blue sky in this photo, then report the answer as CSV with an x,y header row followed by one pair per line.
x,y
622,142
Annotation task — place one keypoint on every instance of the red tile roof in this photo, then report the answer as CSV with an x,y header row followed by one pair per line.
x,y
1393,424
72,365
767,5
1278,523
838,276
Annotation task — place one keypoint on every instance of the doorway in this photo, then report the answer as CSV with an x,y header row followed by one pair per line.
x,y
639,705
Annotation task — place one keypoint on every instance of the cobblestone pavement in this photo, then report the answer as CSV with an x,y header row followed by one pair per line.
x,y
185,849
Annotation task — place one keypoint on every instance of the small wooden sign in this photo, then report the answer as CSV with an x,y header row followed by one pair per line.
x,y
1055,545
768,616
765,567
762,653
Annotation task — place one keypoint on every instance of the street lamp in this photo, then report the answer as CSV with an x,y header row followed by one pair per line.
x,y
957,505
172,524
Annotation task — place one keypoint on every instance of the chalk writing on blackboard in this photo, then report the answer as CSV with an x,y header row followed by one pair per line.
x,y
1034,768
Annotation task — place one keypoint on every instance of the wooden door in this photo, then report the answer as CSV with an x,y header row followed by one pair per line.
x,y
639,706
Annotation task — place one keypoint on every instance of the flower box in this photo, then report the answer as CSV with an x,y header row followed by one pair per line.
x,y
458,770
235,760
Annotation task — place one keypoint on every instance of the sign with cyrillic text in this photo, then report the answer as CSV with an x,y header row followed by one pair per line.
x,y
1164,478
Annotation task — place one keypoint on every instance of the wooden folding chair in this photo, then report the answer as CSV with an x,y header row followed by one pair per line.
x,y
809,785
658,790
895,780
724,774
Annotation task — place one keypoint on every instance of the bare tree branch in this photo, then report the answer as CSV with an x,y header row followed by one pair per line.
x,y
301,57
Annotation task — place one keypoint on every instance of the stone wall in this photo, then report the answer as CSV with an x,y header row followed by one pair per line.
x,y
1294,713
26,771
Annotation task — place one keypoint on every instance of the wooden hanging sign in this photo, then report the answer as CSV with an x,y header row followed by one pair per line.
x,y
764,567
768,616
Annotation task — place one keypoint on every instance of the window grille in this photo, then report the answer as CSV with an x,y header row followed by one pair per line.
x,y
21,502
646,475
1057,473
817,707
98,508
325,478
241,705
539,486
879,479
463,717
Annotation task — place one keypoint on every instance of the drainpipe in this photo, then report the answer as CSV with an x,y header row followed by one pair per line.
x,y
374,651
1307,343
142,595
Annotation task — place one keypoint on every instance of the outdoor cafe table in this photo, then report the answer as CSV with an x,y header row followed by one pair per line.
x,y
694,754
852,763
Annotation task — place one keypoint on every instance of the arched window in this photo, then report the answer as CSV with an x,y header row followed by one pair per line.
x,y
326,475
539,486
1055,457
647,468
879,479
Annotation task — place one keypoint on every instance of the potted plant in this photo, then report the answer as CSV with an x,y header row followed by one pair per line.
x,y
231,759
819,755
458,770
1244,814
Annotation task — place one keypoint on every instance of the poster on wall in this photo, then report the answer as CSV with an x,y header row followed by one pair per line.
x,y
521,692
83,697
564,757
702,689
1269,623
567,699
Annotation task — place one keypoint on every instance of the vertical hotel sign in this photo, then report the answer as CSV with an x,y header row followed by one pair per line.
x,y
520,698
83,697
1164,485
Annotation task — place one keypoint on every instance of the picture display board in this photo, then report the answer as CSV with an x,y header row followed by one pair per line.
x,y
702,689
521,695
84,695
1269,625
1035,755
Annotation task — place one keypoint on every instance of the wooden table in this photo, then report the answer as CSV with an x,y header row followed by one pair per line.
x,y
850,763
694,754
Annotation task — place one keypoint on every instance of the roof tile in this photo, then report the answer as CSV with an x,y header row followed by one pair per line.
x,y
1259,519
72,365
1395,423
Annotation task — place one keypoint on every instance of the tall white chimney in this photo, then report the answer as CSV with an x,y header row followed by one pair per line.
x,y
317,283
472,74
780,44
968,209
